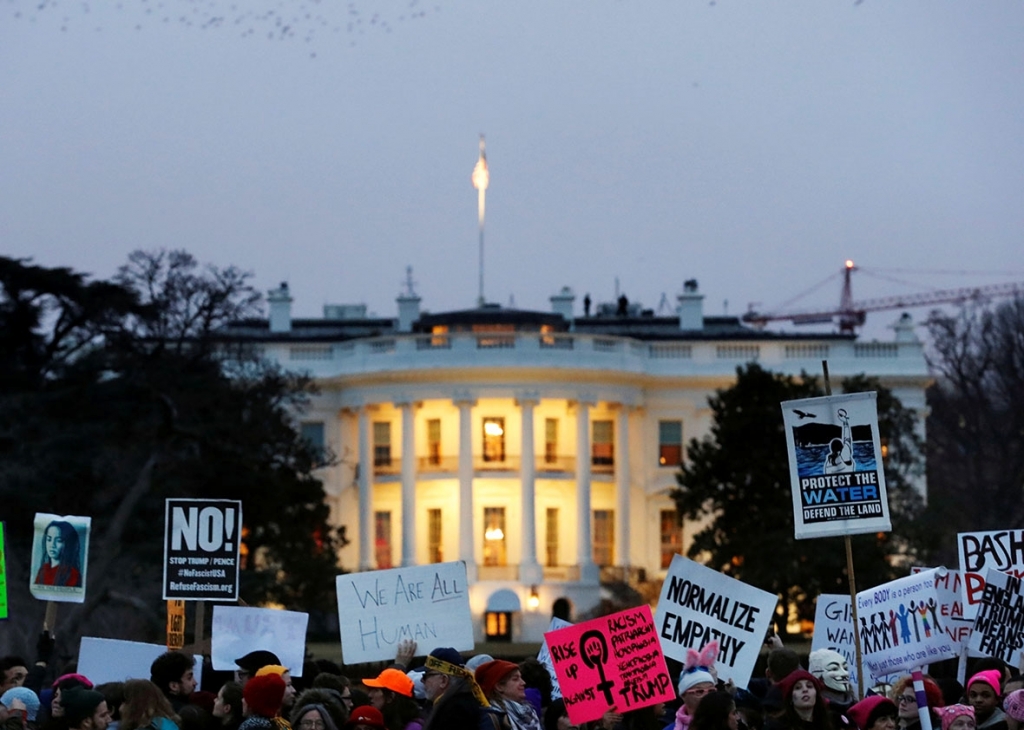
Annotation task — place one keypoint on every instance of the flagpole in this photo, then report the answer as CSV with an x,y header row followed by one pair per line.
x,y
481,177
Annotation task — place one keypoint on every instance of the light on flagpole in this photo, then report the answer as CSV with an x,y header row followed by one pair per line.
x,y
481,177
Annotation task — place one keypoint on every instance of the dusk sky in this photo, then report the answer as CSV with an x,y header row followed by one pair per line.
x,y
753,146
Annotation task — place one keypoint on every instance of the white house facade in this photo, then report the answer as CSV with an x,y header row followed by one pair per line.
x,y
539,448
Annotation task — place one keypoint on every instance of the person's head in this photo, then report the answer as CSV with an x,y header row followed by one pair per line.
x,y
873,713
172,672
143,701
26,697
60,544
252,662
365,718
536,676
284,674
556,717
262,696
318,709
715,711
13,671
339,683
501,680
831,668
193,717
957,717
61,685
85,709
386,686
693,685
442,666
781,662
802,697
227,708
835,448
983,693
906,700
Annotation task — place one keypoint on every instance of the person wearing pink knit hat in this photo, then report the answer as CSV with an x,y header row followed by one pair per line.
x,y
957,717
983,696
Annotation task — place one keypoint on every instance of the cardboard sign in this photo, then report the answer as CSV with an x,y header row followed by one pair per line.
x,y
698,604
544,657
60,551
175,625
3,571
833,629
900,625
202,539
999,625
835,466
237,630
112,660
1001,550
951,607
612,662
426,603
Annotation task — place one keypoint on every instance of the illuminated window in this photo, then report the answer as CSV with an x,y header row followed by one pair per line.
x,y
603,446
434,550
604,537
550,440
434,441
671,539
381,443
494,439
494,536
498,625
885,450
382,539
551,533
670,443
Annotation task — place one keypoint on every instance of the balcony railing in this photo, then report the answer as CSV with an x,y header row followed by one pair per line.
x,y
509,463
431,464
556,464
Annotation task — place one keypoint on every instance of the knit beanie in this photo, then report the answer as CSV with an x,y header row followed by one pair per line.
x,y
787,684
489,674
264,694
79,704
991,677
692,678
950,713
1013,705
475,661
864,713
271,669
366,715
28,698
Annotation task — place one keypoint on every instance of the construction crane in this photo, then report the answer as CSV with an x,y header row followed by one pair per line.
x,y
852,314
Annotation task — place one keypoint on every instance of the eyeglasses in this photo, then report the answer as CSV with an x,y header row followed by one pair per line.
x,y
699,691
429,675
907,699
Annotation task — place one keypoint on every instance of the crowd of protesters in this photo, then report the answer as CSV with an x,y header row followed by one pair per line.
x,y
447,691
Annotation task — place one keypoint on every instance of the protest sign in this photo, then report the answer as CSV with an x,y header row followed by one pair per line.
x,y
60,556
1001,550
833,629
202,539
113,660
951,606
698,605
426,603
237,630
544,657
900,626
999,624
610,662
175,625
835,466
3,570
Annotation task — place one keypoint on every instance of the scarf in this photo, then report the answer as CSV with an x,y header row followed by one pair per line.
x,y
522,716
439,665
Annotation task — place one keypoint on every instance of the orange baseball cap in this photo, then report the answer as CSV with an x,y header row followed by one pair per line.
x,y
394,680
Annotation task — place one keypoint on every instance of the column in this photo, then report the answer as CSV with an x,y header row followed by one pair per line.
x,y
408,485
365,497
589,572
467,540
622,487
529,569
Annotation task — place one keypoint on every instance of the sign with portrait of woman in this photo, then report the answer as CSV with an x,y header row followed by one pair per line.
x,y
60,551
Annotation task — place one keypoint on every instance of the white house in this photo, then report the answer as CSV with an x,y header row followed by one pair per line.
x,y
538,447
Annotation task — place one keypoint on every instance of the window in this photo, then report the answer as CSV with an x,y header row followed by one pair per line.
x,y
498,625
434,441
550,440
494,536
435,553
603,447
494,439
382,539
671,539
313,434
551,533
604,537
670,443
381,443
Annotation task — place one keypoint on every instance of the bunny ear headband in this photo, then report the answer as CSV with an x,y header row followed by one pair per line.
x,y
702,660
